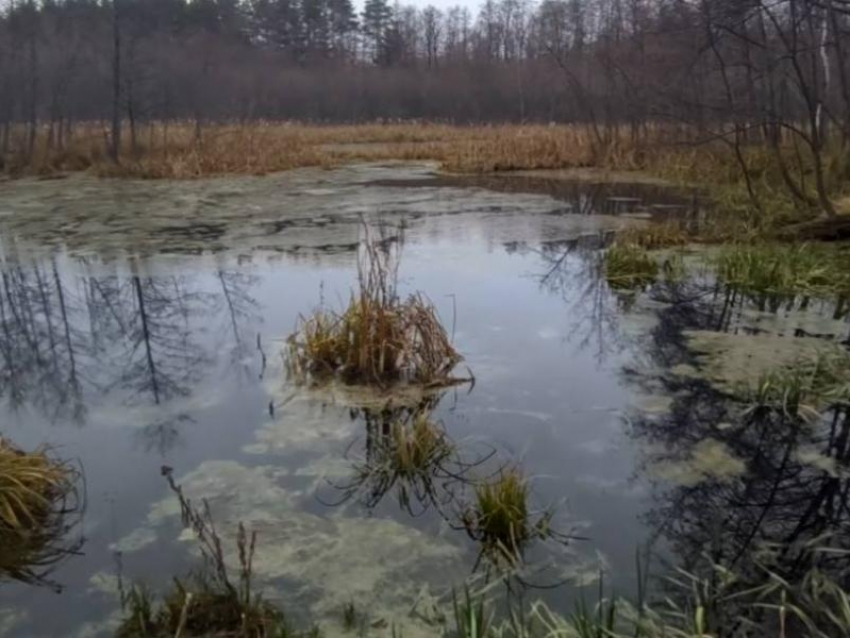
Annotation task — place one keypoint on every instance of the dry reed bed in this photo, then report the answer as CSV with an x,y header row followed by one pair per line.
x,y
176,151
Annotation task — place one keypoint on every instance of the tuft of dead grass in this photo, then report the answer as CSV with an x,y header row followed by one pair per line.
x,y
36,493
210,602
379,339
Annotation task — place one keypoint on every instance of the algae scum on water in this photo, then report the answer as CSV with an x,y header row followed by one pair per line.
x,y
370,401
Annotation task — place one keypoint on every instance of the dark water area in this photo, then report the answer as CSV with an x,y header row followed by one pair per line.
x,y
125,355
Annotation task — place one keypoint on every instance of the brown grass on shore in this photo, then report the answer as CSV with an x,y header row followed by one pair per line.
x,y
175,151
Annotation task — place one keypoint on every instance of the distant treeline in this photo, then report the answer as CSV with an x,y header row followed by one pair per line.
x,y
733,69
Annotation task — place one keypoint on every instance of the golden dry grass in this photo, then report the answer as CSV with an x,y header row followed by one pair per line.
x,y
380,338
29,485
174,151
36,493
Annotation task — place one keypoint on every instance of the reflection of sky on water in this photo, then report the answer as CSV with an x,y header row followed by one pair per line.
x,y
133,364
129,364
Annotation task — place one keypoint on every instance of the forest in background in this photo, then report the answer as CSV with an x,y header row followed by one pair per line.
x,y
736,74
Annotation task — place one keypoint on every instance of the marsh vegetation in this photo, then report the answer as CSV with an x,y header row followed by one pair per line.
x,y
209,602
39,504
771,273
380,338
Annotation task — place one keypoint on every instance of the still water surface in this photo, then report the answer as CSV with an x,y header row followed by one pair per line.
x,y
142,327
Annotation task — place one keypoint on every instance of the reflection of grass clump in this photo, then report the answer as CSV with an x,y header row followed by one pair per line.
x,y
781,270
409,451
500,519
414,449
380,338
36,492
629,266
411,456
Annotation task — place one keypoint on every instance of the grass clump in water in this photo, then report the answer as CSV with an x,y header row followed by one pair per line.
x,y
501,520
208,603
803,391
198,607
380,338
629,266
770,273
655,236
37,492
715,601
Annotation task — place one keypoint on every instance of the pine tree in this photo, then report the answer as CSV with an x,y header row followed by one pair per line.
x,y
376,25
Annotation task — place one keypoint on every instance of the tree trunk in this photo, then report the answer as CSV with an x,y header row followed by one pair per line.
x,y
115,141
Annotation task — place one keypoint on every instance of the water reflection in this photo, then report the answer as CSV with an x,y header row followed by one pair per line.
x,y
731,483
572,270
39,346
582,197
69,339
408,451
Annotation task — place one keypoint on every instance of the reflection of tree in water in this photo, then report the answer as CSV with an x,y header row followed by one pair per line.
x,y
788,483
572,270
242,312
63,337
161,436
162,357
39,346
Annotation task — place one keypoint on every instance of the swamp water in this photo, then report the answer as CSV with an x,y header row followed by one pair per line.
x,y
143,325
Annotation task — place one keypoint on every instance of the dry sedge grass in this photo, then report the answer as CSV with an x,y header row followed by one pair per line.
x,y
36,491
175,151
30,483
379,339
